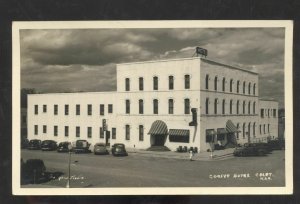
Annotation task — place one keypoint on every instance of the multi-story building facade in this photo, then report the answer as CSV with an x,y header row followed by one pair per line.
x,y
193,102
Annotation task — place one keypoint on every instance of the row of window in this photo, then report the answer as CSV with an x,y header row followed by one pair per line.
x,y
246,129
155,83
268,113
155,106
251,88
78,131
77,109
239,105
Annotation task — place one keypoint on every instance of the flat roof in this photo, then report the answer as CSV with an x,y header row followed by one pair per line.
x,y
79,93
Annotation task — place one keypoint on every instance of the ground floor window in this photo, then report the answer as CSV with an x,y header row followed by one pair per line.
x,y
89,129
55,130
113,133
36,130
77,131
127,132
66,131
141,133
210,135
44,129
101,132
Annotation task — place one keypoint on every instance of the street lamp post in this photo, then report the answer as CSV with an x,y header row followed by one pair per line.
x,y
69,172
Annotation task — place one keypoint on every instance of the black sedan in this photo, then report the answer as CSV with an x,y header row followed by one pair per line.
x,y
250,149
81,146
34,144
48,145
63,147
118,149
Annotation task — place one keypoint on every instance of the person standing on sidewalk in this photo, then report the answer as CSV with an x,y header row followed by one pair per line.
x,y
191,154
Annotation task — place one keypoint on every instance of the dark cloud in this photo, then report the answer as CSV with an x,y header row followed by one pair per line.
x,y
84,59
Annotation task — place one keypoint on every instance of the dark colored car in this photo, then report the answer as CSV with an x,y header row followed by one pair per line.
x,y
118,149
250,149
33,171
24,143
100,148
63,147
277,144
81,146
48,145
34,144
264,145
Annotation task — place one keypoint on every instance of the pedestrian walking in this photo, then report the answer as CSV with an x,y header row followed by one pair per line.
x,y
191,154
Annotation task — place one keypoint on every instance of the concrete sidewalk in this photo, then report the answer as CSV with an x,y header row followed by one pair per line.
x,y
202,156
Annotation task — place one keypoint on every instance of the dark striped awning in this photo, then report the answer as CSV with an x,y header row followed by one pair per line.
x,y
221,131
158,127
179,132
230,127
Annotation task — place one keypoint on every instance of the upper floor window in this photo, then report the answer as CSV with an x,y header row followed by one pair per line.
x,y
171,82
186,106
127,132
89,109
238,132
237,107
155,106
254,89
230,106
244,87
254,107
274,113
262,112
249,107
141,106
231,84
110,108
127,106
238,86
77,109
186,81
244,130
249,88
44,108
55,109
223,84
36,109
66,109
141,133
171,106
223,107
216,106
254,127
127,84
155,83
141,83
207,106
102,111
207,81
244,107
216,83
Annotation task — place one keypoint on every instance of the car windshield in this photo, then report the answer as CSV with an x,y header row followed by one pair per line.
x,y
100,145
120,145
34,141
65,144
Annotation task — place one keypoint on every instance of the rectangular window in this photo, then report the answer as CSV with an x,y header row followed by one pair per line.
x,y
259,129
77,109
155,83
36,109
36,130
127,84
171,82
113,133
186,106
127,106
101,132
89,132
55,109
155,106
141,133
55,130
110,108
141,83
274,113
77,131
44,129
127,132
89,112
66,109
187,81
262,112
141,106
44,108
171,106
66,131
101,109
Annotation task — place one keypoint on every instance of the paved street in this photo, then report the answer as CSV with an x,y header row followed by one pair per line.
x,y
137,170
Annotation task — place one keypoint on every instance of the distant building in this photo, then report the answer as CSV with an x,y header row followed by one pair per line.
x,y
193,102
24,122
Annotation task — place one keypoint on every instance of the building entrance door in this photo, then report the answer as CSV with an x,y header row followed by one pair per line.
x,y
159,140
107,138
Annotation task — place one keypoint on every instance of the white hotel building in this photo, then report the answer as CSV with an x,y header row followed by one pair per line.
x,y
152,107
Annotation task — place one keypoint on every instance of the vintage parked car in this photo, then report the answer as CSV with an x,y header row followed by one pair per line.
x,y
277,144
63,147
264,145
33,171
100,148
118,149
250,149
48,145
34,144
24,143
81,146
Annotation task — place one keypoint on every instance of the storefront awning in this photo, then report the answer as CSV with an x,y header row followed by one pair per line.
x,y
179,132
221,131
230,127
158,127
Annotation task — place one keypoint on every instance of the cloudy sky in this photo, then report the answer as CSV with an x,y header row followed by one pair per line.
x,y
84,60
